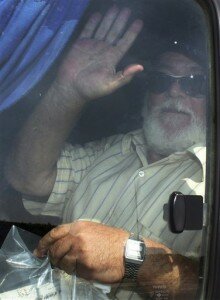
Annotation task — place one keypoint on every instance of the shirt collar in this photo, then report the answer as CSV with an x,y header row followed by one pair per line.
x,y
137,141
199,151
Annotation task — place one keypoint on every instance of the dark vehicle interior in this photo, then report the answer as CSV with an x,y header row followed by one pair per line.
x,y
184,22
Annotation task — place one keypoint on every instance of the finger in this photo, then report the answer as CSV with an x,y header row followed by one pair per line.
x,y
52,236
106,23
68,264
132,70
90,26
118,26
125,76
128,39
60,248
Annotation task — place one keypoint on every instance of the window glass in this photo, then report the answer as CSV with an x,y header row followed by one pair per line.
x,y
114,128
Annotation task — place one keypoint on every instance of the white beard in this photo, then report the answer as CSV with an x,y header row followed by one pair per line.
x,y
160,141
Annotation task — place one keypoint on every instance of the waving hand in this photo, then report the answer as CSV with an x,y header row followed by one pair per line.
x,y
89,68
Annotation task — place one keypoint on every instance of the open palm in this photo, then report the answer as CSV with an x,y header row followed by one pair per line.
x,y
89,68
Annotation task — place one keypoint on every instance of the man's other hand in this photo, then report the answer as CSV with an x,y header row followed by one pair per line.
x,y
88,70
93,250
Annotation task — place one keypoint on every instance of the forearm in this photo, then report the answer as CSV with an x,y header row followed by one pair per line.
x,y
86,73
99,250
31,165
171,274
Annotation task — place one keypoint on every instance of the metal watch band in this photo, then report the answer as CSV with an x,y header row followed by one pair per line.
x,y
131,266
131,271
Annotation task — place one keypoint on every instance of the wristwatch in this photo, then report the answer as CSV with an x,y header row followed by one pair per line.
x,y
134,256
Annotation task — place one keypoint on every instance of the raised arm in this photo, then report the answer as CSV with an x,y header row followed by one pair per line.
x,y
86,73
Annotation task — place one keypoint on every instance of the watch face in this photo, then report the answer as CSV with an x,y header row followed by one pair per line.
x,y
135,251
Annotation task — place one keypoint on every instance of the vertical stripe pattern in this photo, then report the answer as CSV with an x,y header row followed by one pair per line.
x,y
112,182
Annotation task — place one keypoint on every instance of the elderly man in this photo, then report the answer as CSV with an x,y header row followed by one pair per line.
x,y
122,181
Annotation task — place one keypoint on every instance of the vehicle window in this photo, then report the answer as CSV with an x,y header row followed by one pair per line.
x,y
110,141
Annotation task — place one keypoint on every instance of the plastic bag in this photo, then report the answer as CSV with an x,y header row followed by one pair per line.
x,y
24,276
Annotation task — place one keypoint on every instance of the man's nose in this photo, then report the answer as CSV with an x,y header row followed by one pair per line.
x,y
175,89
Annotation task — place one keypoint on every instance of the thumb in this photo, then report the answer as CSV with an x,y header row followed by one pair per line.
x,y
125,76
132,70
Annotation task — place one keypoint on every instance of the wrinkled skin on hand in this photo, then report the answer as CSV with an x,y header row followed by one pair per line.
x,y
93,250
88,70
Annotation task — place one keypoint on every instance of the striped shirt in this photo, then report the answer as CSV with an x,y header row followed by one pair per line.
x,y
111,181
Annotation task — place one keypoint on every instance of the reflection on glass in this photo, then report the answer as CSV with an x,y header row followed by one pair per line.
x,y
134,88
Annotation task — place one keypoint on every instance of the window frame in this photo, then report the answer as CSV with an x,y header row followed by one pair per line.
x,y
210,270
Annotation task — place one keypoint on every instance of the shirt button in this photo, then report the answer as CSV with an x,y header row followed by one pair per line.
x,y
141,173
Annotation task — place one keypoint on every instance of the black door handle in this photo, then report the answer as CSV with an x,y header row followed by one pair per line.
x,y
185,212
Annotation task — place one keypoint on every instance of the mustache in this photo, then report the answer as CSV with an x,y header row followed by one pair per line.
x,y
176,104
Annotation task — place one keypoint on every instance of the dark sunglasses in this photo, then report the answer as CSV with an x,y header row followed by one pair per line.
x,y
192,85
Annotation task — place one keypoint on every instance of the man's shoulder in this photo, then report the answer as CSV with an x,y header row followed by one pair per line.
x,y
121,141
136,136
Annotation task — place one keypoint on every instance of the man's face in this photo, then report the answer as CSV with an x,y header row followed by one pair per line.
x,y
174,116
